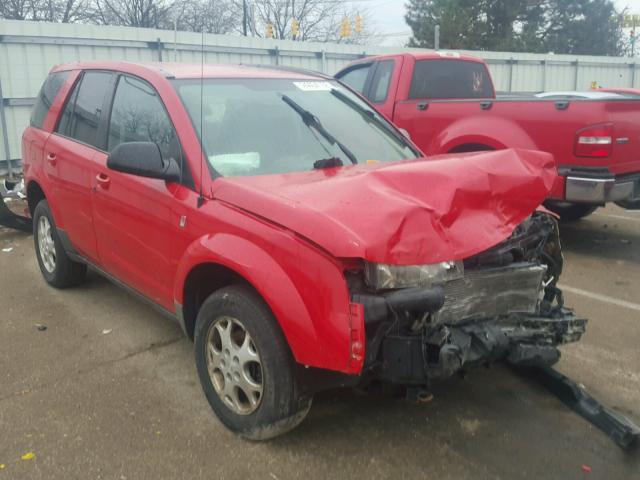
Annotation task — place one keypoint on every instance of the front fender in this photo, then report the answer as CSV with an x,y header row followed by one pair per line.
x,y
305,290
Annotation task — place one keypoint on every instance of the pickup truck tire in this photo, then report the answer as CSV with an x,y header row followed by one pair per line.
x,y
241,353
57,268
570,212
629,204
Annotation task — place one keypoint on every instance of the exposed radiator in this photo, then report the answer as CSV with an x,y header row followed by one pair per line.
x,y
490,292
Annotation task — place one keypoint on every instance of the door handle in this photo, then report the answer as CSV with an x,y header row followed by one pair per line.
x,y
52,159
422,106
103,180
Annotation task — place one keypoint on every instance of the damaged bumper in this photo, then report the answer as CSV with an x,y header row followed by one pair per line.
x,y
521,339
504,305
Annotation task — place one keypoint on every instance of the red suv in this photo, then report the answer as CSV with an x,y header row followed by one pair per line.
x,y
297,236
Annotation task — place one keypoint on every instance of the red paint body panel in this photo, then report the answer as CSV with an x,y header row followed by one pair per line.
x,y
529,123
290,236
409,213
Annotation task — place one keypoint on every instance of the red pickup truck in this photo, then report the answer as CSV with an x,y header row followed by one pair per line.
x,y
447,103
285,225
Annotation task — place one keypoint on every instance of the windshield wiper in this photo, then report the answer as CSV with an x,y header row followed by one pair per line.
x,y
311,121
371,117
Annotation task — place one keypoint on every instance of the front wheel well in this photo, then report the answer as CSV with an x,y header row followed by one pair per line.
x,y
201,282
34,195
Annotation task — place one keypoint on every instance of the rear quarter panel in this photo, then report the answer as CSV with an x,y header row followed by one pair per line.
x,y
33,144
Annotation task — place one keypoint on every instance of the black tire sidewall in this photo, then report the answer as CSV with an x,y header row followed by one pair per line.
x,y
280,399
66,272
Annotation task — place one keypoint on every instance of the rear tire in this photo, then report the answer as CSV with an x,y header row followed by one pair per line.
x,y
245,366
570,212
57,268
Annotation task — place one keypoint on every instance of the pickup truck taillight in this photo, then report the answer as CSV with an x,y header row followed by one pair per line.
x,y
594,141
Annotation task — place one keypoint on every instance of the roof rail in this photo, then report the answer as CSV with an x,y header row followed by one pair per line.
x,y
284,68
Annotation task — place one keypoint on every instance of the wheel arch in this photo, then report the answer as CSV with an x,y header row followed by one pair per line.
x,y
35,194
215,261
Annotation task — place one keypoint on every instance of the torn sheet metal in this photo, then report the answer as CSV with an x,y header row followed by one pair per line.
x,y
447,207
7,217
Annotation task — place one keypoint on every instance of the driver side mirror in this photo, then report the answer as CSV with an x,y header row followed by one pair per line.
x,y
144,160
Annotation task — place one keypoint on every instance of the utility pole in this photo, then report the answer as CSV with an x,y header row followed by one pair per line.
x,y
244,17
436,37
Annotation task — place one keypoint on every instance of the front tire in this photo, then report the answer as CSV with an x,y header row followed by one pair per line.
x,y
245,366
57,268
570,212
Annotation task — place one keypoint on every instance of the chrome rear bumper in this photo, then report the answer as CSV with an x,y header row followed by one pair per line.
x,y
599,190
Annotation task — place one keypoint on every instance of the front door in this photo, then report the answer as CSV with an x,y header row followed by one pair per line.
x,y
133,215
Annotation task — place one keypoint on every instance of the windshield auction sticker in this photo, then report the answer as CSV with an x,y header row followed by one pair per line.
x,y
314,86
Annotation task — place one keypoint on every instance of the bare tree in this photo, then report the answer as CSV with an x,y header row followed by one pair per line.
x,y
134,13
65,11
215,16
319,20
16,10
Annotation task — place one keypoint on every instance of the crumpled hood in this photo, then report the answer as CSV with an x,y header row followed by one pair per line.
x,y
447,207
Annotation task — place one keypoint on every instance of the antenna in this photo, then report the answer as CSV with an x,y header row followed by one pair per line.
x,y
201,197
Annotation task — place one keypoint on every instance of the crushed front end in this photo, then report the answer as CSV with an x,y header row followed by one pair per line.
x,y
428,322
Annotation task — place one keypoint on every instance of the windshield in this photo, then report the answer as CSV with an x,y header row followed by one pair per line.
x,y
266,126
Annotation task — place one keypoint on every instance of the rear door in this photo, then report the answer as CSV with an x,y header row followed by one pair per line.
x,y
69,154
133,215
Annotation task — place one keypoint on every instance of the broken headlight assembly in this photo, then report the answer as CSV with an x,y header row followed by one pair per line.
x,y
382,276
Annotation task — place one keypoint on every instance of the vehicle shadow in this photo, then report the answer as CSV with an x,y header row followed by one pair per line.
x,y
494,423
603,238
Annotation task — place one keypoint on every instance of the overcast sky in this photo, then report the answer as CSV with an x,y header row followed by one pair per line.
x,y
389,17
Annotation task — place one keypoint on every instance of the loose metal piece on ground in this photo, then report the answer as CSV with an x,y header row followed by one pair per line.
x,y
621,429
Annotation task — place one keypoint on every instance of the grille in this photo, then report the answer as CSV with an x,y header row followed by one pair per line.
x,y
491,292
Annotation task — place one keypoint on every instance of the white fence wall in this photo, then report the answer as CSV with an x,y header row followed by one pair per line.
x,y
29,49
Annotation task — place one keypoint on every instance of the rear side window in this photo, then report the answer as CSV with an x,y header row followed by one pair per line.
x,y
81,117
381,80
450,79
356,78
47,95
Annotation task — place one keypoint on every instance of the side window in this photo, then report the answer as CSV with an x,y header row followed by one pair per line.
x,y
81,117
356,78
381,80
47,95
138,115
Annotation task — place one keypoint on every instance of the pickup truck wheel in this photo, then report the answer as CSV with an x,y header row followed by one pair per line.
x,y
57,268
570,212
629,204
245,366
